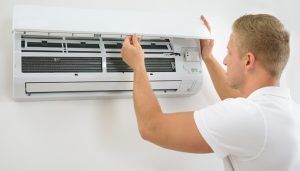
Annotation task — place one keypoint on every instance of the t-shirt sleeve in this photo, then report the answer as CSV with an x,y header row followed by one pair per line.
x,y
232,127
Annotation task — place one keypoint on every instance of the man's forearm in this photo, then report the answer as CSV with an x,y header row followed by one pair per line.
x,y
219,79
146,105
176,131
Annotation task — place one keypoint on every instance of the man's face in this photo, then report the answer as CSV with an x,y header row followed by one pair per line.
x,y
235,64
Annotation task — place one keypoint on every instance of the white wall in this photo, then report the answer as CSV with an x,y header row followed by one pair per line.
x,y
102,134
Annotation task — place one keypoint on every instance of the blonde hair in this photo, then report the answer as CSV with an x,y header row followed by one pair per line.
x,y
264,36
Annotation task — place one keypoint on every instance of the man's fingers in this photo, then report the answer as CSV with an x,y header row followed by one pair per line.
x,y
205,23
126,41
135,40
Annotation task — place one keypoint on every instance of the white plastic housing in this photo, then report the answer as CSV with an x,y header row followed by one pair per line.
x,y
63,53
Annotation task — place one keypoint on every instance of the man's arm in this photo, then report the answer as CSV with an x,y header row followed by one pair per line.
x,y
216,72
175,131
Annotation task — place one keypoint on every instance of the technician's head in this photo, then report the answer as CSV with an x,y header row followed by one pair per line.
x,y
259,44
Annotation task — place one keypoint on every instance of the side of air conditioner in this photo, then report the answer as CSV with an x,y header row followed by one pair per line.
x,y
62,53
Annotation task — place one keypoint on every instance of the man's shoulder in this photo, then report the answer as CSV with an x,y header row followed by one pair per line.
x,y
231,125
234,109
239,103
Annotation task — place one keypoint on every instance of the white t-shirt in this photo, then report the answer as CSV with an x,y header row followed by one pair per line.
x,y
258,133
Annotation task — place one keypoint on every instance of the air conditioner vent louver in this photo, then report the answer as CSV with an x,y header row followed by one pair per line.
x,y
152,65
61,64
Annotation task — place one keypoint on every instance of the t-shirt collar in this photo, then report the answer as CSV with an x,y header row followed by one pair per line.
x,y
271,90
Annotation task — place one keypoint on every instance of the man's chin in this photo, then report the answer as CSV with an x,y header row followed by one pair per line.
x,y
233,85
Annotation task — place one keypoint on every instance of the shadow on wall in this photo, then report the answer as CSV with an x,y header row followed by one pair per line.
x,y
6,55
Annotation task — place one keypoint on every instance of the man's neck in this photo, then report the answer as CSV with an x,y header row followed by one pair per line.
x,y
258,82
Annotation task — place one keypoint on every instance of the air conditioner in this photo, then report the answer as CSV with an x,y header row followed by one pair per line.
x,y
66,53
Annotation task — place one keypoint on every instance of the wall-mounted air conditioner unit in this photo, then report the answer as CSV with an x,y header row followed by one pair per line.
x,y
62,53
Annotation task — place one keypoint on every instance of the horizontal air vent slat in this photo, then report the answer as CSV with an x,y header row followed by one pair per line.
x,y
82,45
41,37
152,46
43,44
61,64
96,86
152,65
113,46
42,51
143,40
86,51
82,38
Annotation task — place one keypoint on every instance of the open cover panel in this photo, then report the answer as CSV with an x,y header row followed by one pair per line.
x,y
59,19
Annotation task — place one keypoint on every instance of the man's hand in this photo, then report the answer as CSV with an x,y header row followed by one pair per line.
x,y
206,45
132,52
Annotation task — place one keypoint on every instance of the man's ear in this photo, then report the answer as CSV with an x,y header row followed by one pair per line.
x,y
249,60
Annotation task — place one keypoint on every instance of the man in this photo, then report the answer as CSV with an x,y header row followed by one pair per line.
x,y
255,127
